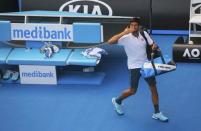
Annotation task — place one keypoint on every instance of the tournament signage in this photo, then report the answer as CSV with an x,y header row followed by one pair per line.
x,y
192,53
41,32
187,53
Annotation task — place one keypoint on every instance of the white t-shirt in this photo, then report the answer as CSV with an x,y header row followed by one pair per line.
x,y
135,48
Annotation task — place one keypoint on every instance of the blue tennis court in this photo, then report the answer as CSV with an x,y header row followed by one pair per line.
x,y
88,107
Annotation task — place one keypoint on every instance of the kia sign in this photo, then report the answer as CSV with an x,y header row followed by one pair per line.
x,y
186,53
166,14
41,32
94,7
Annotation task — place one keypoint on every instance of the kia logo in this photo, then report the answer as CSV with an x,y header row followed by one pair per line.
x,y
94,7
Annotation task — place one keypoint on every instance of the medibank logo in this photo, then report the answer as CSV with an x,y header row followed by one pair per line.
x,y
41,32
38,74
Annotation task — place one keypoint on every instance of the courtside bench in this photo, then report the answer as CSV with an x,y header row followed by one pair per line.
x,y
34,68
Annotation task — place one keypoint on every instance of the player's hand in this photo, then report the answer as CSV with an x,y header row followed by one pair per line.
x,y
128,30
154,47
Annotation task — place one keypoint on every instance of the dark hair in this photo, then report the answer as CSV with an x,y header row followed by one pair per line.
x,y
135,19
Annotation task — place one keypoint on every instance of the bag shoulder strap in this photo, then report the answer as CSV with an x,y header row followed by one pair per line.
x,y
142,29
148,47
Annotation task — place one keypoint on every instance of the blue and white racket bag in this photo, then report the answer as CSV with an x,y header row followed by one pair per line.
x,y
157,66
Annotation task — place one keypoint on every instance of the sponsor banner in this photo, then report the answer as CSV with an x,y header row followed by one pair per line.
x,y
94,7
34,74
163,11
41,32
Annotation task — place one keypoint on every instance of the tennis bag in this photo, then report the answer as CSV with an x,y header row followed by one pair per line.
x,y
157,66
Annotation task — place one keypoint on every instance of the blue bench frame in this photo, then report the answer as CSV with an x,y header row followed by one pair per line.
x,y
23,56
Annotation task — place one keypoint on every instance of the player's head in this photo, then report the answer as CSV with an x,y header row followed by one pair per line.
x,y
135,23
